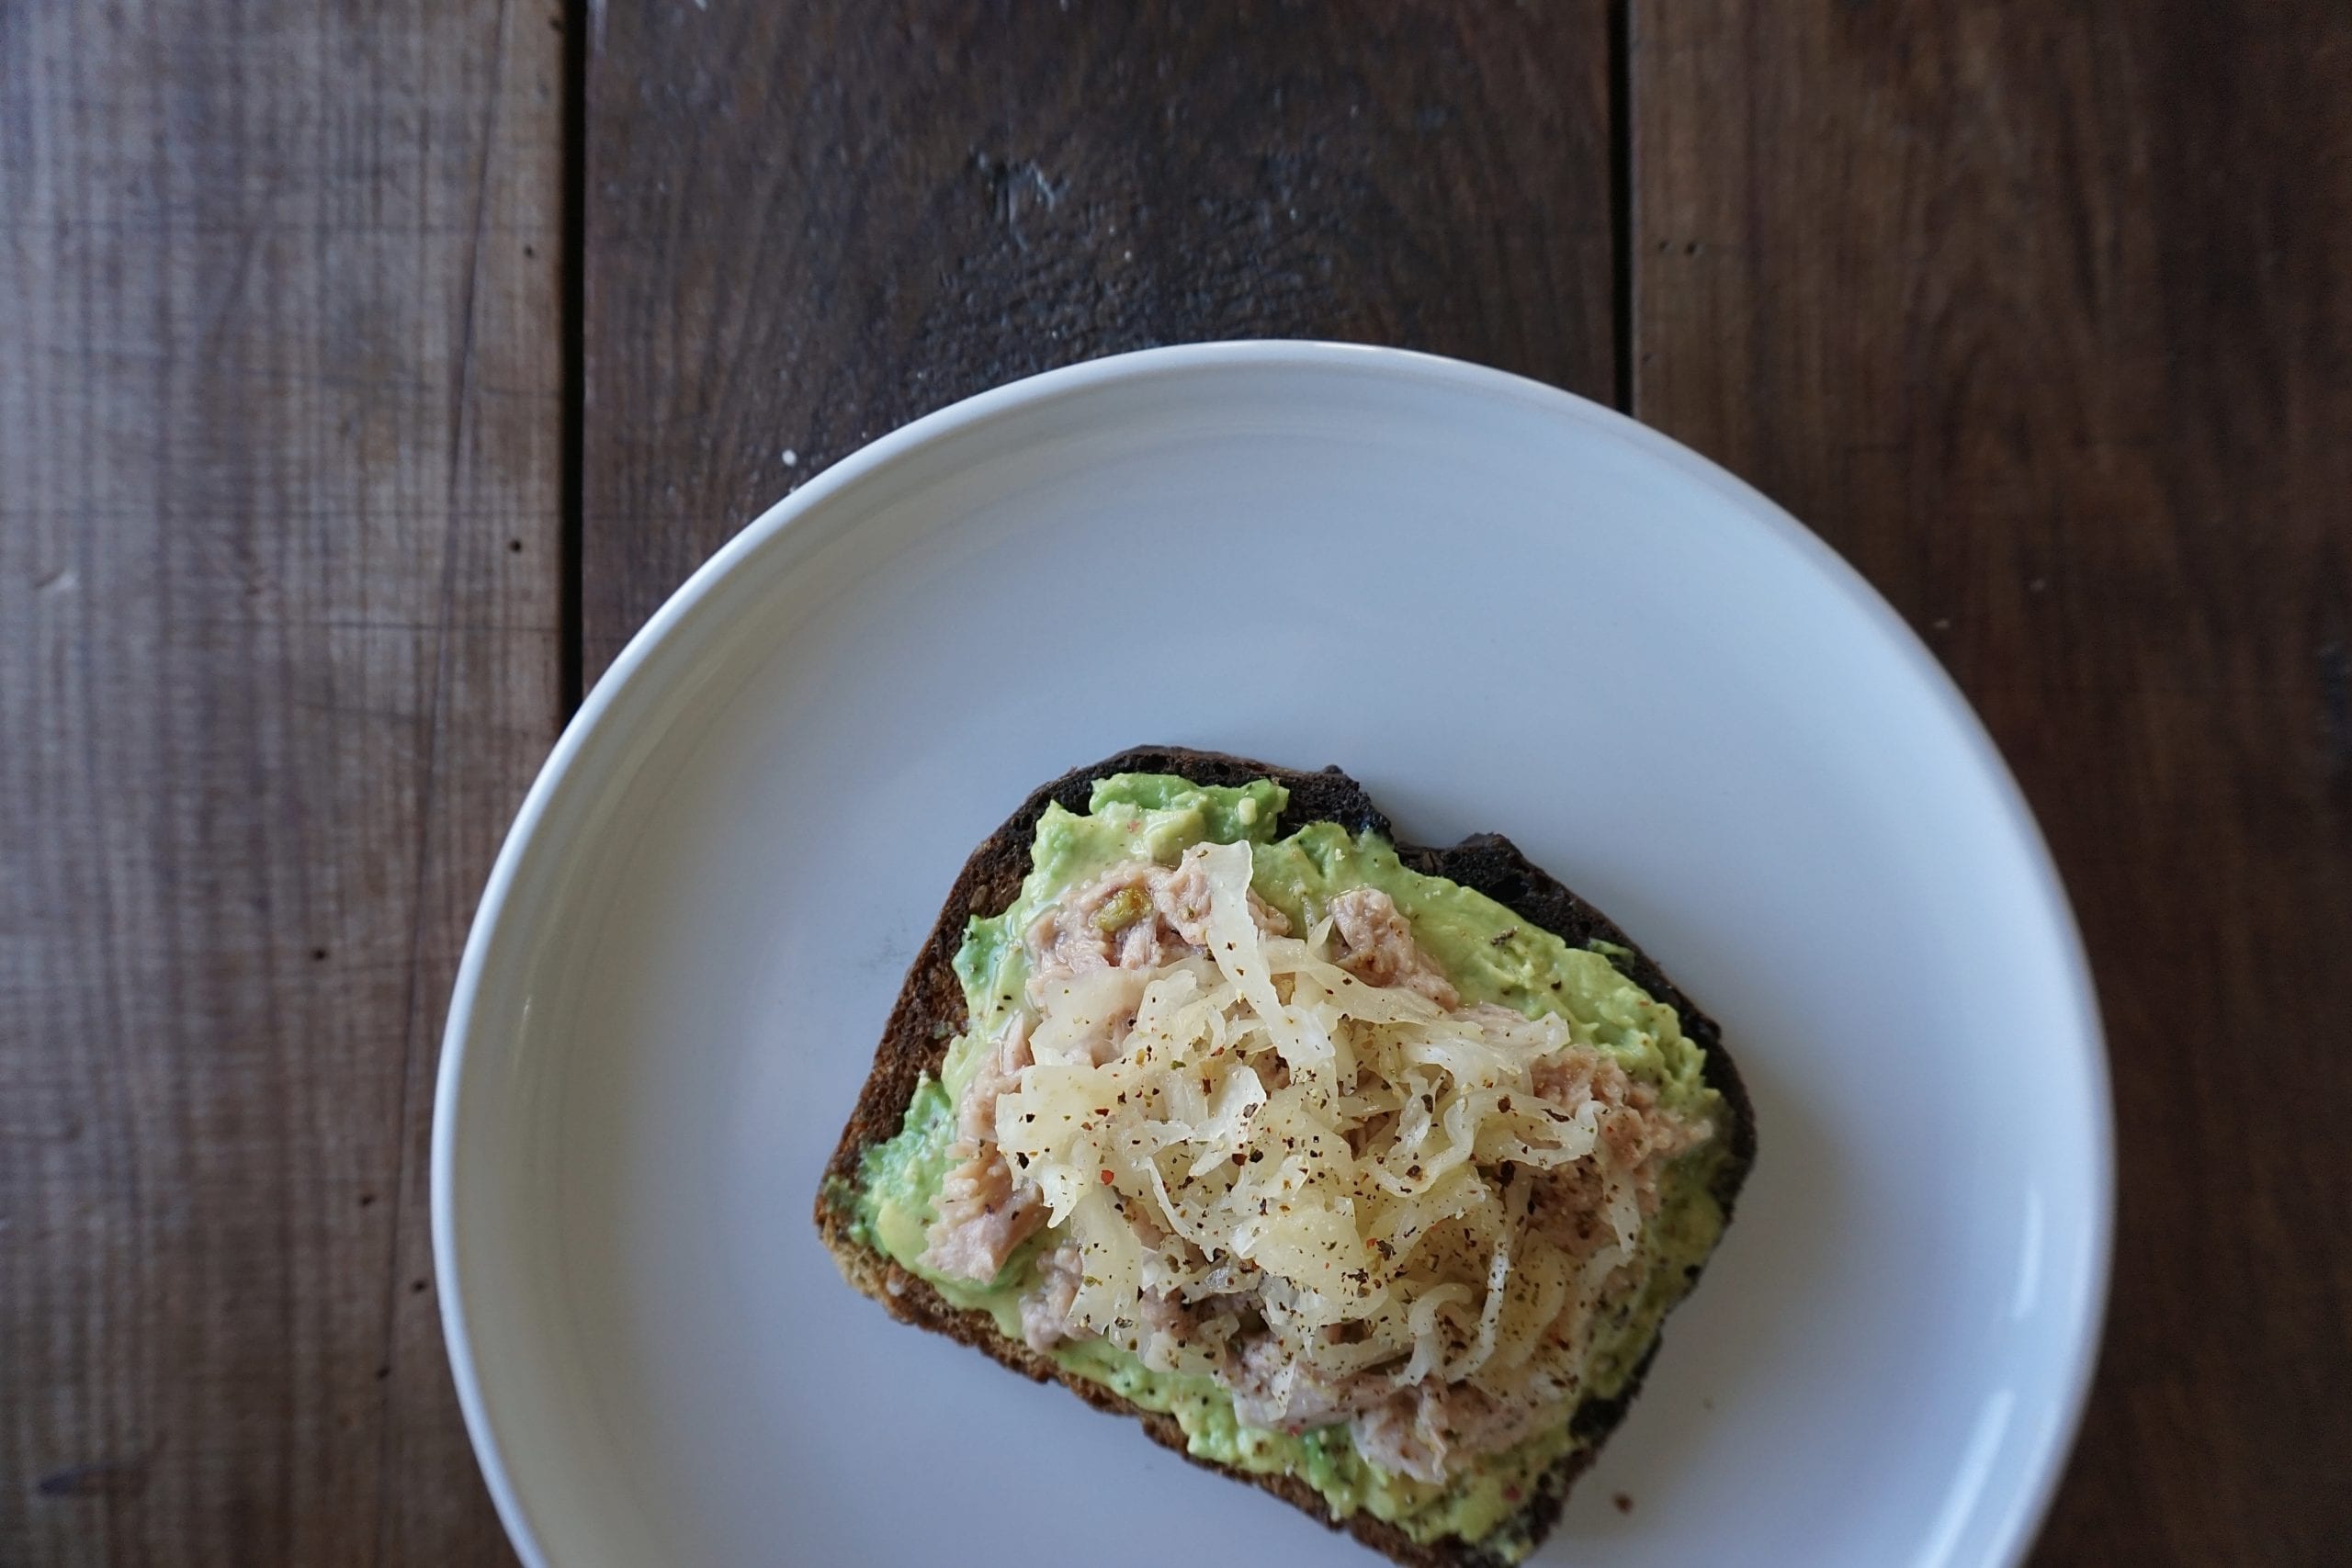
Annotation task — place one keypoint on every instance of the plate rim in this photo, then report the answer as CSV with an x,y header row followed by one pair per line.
x,y
2028,1508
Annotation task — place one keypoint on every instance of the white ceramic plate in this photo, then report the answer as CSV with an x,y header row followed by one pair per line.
x,y
1500,607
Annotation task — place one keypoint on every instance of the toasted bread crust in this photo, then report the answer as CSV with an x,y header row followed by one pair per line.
x,y
931,1011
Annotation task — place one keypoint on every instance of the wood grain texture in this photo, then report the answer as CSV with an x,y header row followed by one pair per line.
x,y
809,221
279,439
2040,315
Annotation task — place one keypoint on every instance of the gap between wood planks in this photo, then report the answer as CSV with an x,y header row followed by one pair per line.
x,y
571,647
1620,199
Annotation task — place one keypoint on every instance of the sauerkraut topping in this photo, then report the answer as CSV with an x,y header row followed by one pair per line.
x,y
1294,1164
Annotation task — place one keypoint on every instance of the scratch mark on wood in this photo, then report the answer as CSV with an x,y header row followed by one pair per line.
x,y
210,338
98,1478
1012,181
2334,706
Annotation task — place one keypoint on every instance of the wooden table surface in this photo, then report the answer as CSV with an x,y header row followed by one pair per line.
x,y
369,371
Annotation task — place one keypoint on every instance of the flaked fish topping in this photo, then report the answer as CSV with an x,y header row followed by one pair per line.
x,y
1299,1166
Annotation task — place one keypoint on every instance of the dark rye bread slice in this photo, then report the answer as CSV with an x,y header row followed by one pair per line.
x,y
931,1012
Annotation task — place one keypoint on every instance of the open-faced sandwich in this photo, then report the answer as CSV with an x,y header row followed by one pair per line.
x,y
1361,1172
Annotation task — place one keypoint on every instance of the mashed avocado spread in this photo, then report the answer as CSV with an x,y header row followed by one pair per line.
x,y
1489,953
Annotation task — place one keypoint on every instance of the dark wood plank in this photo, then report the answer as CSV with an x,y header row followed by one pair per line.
x,y
809,221
280,423
2038,313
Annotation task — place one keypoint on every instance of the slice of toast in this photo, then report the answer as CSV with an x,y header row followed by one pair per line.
x,y
931,1012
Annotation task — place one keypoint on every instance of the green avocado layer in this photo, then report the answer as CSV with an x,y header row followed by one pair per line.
x,y
1490,955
